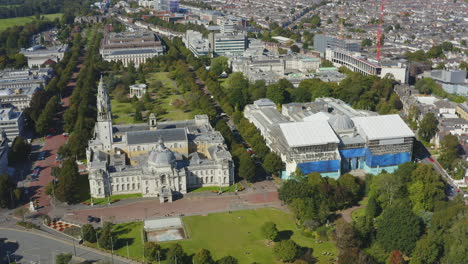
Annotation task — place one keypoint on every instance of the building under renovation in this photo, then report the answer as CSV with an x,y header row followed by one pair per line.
x,y
330,137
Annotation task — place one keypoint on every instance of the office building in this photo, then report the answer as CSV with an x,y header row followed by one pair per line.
x,y
452,81
227,44
12,122
324,42
195,42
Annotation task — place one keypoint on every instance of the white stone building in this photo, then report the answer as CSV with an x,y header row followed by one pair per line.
x,y
138,90
158,159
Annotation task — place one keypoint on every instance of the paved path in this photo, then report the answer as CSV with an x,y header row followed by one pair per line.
x,y
348,213
34,247
192,204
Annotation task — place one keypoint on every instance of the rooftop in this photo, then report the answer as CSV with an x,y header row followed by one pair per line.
x,y
301,134
382,127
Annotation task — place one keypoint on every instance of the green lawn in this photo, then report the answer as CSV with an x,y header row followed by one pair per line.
x,y
18,21
123,112
114,198
231,188
358,213
237,234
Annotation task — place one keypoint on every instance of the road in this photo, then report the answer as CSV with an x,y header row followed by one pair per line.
x,y
38,248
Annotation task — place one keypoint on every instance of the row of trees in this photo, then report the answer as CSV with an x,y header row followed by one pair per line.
x,y
406,218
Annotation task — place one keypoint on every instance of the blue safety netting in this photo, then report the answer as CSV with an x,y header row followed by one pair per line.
x,y
320,166
387,159
353,153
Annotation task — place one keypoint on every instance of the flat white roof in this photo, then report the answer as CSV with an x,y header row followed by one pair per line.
x,y
163,223
382,127
300,134
429,100
317,116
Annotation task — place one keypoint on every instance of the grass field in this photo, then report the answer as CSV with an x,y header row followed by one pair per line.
x,y
122,113
236,234
114,198
231,188
18,21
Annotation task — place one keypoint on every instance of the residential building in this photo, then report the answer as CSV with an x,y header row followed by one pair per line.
x,y
157,159
330,137
128,47
462,110
11,122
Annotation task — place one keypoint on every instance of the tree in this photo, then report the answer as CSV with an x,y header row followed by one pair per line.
x,y
386,188
301,95
203,256
286,250
153,251
326,63
20,149
106,238
426,85
457,239
89,234
138,116
63,258
295,48
246,167
46,118
219,65
347,242
175,254
269,231
273,163
427,127
427,251
6,191
426,188
276,93
366,42
398,228
395,258
67,188
448,151
227,260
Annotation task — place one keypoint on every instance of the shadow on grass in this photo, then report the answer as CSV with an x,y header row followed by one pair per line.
x,y
123,242
284,235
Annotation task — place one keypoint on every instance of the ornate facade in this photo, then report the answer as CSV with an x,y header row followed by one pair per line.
x,y
158,159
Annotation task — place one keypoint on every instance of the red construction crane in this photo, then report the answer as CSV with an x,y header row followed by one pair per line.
x,y
379,32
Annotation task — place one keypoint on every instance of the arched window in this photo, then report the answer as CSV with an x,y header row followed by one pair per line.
x,y
128,186
99,191
117,186
147,190
163,179
211,179
133,186
123,187
113,187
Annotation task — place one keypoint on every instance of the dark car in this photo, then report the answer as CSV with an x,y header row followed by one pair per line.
x,y
90,219
97,219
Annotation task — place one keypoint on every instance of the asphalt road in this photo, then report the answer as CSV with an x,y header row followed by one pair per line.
x,y
35,248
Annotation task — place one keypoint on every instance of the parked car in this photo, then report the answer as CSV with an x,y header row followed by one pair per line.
x,y
65,134
49,136
431,159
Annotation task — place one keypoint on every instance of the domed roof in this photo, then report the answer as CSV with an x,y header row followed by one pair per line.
x,y
341,122
161,156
